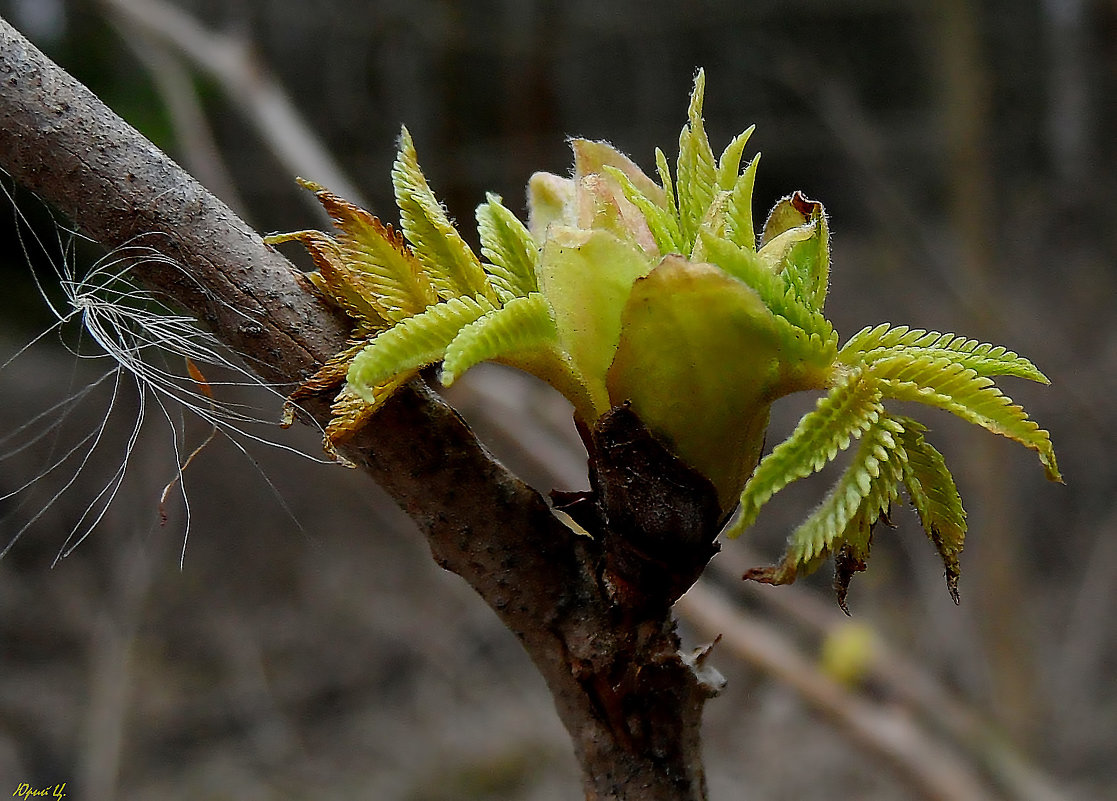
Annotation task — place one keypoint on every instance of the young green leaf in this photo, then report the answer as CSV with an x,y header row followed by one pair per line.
x,y
869,482
772,287
729,165
696,173
850,408
940,381
336,280
739,228
379,263
522,324
935,497
450,264
508,245
412,343
884,341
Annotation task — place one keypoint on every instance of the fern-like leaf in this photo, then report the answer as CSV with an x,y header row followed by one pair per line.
x,y
696,172
380,264
773,289
450,264
806,264
850,408
868,484
935,497
349,412
509,246
412,343
940,381
845,517
872,344
521,324
740,229
335,280
669,200
327,378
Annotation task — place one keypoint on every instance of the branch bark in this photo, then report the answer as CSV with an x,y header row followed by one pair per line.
x,y
593,613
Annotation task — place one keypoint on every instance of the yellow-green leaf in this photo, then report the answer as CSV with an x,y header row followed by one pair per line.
x,y
412,343
939,381
884,341
935,497
589,321
522,324
850,408
509,246
699,360
696,172
450,264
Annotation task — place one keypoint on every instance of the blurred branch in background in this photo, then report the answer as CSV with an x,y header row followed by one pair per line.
x,y
931,771
964,91
230,61
889,672
175,85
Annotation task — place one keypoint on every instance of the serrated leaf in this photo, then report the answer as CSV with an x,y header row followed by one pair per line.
x,y
696,173
772,288
412,343
694,338
796,243
669,200
935,497
739,228
379,263
867,486
807,263
943,383
872,344
350,412
509,246
850,408
729,165
521,324
450,264
327,378
842,524
335,280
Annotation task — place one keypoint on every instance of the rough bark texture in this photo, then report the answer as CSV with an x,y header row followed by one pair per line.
x,y
593,613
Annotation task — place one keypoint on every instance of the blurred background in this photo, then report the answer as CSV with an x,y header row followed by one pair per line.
x,y
966,154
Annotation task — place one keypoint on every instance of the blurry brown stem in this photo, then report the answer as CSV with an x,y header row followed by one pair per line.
x,y
908,683
934,772
964,99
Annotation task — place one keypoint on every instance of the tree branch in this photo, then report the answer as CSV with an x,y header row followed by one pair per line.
x,y
593,613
